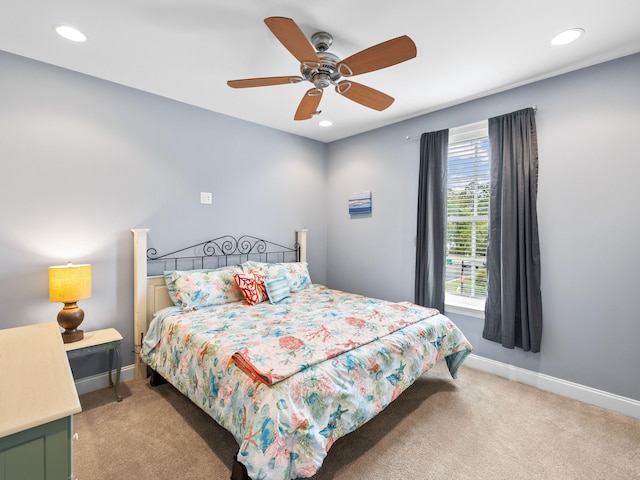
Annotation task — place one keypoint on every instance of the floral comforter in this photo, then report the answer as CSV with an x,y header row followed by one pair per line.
x,y
329,332
285,430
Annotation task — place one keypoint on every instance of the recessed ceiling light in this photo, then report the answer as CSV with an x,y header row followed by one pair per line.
x,y
567,36
325,123
70,33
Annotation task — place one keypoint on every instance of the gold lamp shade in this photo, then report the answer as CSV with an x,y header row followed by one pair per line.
x,y
68,284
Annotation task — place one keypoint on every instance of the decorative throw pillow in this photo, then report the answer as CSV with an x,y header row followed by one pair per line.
x,y
296,273
277,289
194,289
251,284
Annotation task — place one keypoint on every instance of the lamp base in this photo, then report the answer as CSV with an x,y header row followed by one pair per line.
x,y
70,336
70,318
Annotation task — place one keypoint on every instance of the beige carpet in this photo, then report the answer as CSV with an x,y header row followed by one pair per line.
x,y
477,427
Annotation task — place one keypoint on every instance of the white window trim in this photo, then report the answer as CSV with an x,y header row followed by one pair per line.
x,y
471,307
458,304
469,131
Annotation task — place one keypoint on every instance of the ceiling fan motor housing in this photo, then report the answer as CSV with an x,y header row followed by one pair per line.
x,y
322,73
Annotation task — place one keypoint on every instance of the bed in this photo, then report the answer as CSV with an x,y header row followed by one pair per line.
x,y
287,375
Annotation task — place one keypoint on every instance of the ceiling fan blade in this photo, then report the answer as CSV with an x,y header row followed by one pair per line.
x,y
379,56
309,104
262,82
367,96
290,35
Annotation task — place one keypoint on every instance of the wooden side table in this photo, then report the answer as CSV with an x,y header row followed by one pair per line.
x,y
108,339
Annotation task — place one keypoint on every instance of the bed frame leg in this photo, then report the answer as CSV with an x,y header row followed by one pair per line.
x,y
239,471
156,378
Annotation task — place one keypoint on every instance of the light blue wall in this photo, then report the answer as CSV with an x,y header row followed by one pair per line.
x,y
84,160
588,124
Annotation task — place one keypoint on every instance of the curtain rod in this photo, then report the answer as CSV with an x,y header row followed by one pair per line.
x,y
409,138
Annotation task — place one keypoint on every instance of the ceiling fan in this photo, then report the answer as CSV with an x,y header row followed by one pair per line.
x,y
322,68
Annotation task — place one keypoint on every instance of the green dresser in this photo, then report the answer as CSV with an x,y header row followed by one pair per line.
x,y
40,453
37,401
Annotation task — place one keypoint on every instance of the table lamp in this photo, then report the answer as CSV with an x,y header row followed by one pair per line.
x,y
68,284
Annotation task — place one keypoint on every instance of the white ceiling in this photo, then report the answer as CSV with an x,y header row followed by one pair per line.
x,y
186,50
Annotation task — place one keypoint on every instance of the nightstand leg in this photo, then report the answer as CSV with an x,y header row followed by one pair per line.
x,y
118,368
111,365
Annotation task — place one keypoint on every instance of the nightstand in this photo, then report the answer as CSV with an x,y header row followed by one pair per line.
x,y
109,340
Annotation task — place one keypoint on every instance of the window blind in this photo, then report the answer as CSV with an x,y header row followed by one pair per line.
x,y
467,212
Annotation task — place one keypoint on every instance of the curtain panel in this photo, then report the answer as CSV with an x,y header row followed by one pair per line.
x,y
513,308
432,220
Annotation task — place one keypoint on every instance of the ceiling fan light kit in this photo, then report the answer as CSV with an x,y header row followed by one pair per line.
x,y
323,69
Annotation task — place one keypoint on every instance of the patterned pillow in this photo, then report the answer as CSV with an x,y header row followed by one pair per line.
x,y
194,289
252,265
296,273
299,276
277,289
251,284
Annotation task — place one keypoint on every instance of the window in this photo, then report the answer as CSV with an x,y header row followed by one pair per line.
x,y
467,216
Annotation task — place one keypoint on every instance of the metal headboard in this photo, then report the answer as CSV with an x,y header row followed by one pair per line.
x,y
219,252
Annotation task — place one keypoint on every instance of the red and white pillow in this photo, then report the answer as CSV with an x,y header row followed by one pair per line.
x,y
251,284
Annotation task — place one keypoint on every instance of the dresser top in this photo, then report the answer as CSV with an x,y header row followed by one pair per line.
x,y
36,383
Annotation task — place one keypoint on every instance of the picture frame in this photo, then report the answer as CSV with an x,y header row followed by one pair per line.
x,y
360,203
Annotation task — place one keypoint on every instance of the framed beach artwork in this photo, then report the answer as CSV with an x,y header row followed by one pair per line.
x,y
359,203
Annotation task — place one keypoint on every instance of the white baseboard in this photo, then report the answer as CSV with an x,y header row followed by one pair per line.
x,y
96,382
592,396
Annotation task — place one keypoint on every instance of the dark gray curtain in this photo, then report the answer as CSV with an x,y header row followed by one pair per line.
x,y
432,220
513,309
